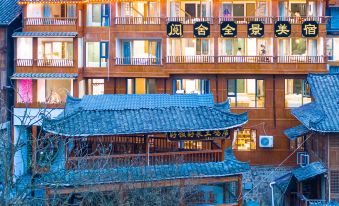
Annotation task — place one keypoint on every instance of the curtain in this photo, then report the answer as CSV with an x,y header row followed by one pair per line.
x,y
127,52
158,52
71,9
47,10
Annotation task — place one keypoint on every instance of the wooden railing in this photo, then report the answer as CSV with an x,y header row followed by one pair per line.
x,y
51,21
137,20
245,59
24,62
55,63
299,20
186,20
137,61
190,59
111,161
301,59
246,19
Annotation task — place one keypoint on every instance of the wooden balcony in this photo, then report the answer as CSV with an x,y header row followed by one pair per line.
x,y
55,63
300,20
186,20
246,59
59,21
137,61
137,20
111,161
302,59
44,63
189,59
246,19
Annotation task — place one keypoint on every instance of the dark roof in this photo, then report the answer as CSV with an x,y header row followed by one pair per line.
x,y
296,132
322,115
45,34
309,171
141,114
10,10
44,76
229,167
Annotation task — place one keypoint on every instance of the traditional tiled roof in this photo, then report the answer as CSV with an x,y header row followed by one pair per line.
x,y
141,114
10,10
45,34
44,76
296,132
309,171
322,115
229,167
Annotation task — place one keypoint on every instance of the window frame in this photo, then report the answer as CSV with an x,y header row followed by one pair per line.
x,y
256,92
304,93
254,139
205,86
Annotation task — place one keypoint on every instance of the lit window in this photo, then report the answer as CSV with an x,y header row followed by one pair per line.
x,y
191,86
141,52
246,92
190,145
96,54
244,139
98,14
141,86
54,90
96,86
25,94
298,143
297,92
299,46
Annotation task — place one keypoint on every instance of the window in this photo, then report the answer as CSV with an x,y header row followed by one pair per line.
x,y
297,143
190,145
202,47
96,86
96,54
246,92
55,50
245,139
142,51
297,92
26,53
141,86
51,11
54,90
98,14
24,91
191,86
299,46
140,9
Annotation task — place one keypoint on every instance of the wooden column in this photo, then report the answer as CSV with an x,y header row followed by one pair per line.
x,y
75,52
240,190
75,88
147,149
223,146
34,91
35,51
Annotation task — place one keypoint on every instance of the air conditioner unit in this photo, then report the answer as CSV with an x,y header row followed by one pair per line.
x,y
266,141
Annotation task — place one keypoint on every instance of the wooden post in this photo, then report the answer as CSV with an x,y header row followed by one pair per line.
x,y
147,149
240,190
35,51
223,143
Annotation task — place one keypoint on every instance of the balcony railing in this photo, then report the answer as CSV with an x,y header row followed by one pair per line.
x,y
111,161
246,59
137,20
55,63
299,20
301,59
137,61
246,19
186,20
50,21
190,59
24,62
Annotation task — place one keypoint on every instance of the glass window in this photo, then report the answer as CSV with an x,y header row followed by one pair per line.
x,y
297,92
245,139
96,86
56,90
96,54
24,91
141,86
98,14
299,46
246,92
56,50
297,143
191,86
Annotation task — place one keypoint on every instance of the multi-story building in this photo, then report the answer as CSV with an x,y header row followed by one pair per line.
x,y
255,53
10,20
332,10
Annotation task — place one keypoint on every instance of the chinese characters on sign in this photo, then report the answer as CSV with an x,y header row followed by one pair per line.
x,y
310,29
282,29
205,135
175,29
255,29
228,29
201,29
